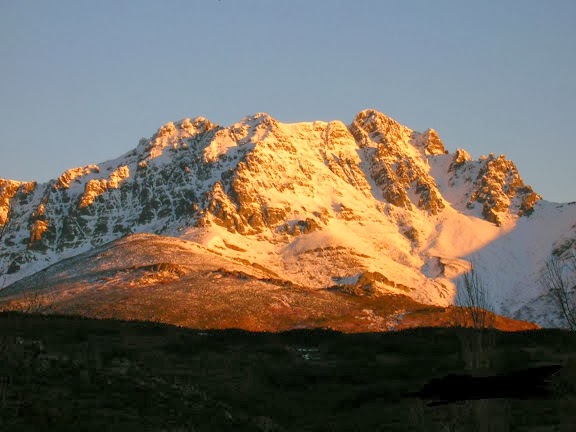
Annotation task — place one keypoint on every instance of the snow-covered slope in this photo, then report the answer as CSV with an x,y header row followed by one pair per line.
x,y
317,204
171,280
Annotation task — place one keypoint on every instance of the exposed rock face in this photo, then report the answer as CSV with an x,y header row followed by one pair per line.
x,y
13,193
395,165
39,227
343,159
497,186
459,159
96,187
64,181
8,189
369,284
300,227
223,209
430,142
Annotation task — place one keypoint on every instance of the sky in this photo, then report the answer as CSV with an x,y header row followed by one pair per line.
x,y
82,81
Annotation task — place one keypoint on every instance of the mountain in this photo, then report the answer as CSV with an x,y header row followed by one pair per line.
x,y
368,209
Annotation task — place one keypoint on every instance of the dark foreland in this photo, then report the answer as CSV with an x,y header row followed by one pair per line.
x,y
69,373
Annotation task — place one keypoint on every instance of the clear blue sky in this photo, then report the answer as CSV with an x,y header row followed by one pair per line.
x,y
82,81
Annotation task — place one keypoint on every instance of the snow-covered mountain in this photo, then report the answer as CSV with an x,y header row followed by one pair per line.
x,y
318,205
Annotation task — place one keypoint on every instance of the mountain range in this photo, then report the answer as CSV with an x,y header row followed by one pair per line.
x,y
320,223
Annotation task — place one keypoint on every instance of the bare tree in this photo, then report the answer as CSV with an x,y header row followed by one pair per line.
x,y
476,348
559,281
473,295
35,301
36,298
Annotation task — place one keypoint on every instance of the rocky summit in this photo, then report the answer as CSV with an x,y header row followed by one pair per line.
x,y
370,209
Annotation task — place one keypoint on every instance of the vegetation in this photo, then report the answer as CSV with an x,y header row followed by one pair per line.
x,y
36,299
559,281
473,295
68,373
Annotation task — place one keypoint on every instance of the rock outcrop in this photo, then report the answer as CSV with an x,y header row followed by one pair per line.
x,y
395,164
495,185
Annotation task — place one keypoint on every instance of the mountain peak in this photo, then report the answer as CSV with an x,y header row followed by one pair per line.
x,y
258,119
197,125
371,115
185,126
434,145
371,128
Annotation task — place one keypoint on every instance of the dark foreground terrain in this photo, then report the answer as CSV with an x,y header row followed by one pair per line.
x,y
64,373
